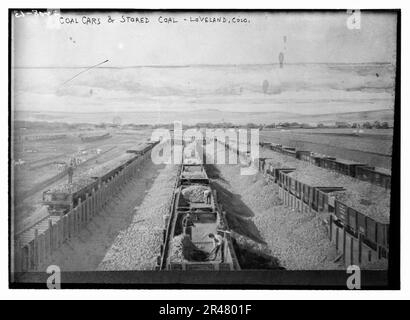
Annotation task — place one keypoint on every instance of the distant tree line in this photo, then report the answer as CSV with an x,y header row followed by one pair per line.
x,y
366,125
210,125
375,124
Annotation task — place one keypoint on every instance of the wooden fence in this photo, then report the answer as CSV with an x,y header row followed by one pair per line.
x,y
33,252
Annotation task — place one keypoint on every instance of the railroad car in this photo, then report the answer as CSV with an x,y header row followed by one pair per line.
x,y
274,170
60,202
374,176
369,227
326,162
192,250
319,198
343,166
303,155
193,173
67,196
276,147
143,148
373,232
264,144
347,167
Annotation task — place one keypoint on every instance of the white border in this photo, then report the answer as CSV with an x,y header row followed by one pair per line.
x,y
5,293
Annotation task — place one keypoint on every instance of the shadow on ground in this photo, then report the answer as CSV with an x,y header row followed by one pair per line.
x,y
213,172
255,257
249,245
237,212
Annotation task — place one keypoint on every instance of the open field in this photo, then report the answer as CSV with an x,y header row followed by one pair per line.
x,y
373,147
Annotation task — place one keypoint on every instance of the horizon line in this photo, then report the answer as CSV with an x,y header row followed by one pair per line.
x,y
206,110
197,65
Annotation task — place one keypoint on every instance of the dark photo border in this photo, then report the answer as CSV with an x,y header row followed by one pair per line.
x,y
258,279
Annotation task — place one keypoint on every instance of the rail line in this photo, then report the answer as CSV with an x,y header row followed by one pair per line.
x,y
190,247
360,235
354,169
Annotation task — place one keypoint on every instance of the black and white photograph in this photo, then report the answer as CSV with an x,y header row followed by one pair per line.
x,y
212,148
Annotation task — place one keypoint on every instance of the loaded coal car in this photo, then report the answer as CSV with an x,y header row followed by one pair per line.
x,y
311,190
279,163
343,166
63,197
197,235
370,222
264,144
276,147
323,161
289,151
303,155
380,177
188,245
193,173
274,168
315,159
102,175
143,148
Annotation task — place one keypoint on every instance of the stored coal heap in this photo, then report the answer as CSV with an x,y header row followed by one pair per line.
x,y
75,186
194,193
182,250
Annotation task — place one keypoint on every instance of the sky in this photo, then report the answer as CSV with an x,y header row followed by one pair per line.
x,y
302,37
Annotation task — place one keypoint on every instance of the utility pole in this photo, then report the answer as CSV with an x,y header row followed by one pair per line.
x,y
70,171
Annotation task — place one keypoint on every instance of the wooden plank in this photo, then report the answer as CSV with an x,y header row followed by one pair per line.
x,y
344,244
50,231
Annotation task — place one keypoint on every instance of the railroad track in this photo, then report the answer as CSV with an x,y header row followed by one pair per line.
x,y
208,218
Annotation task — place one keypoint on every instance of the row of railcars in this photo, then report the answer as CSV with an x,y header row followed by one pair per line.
x,y
364,211
354,169
65,196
